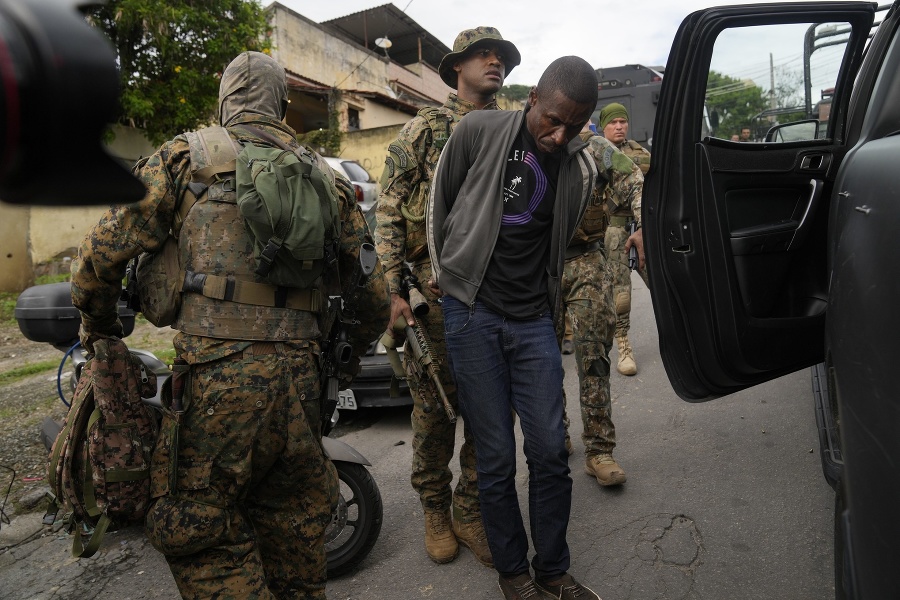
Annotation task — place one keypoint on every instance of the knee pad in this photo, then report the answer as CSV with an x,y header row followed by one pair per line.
x,y
623,303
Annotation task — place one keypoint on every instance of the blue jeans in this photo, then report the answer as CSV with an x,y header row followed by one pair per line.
x,y
503,366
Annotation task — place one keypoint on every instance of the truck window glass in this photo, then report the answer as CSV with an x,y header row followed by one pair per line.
x,y
773,76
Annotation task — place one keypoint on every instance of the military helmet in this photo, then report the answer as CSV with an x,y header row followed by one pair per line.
x,y
469,40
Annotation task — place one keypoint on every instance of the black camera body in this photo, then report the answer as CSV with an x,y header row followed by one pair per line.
x,y
59,89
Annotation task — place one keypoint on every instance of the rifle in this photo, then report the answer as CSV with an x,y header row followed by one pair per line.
x,y
632,253
336,350
423,365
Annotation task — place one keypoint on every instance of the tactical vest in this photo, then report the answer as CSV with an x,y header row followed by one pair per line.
x,y
440,126
223,297
596,216
621,216
638,154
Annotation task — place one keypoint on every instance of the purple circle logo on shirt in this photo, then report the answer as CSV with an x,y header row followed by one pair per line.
x,y
540,188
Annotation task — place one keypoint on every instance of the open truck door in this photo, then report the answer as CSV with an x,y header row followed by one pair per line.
x,y
736,233
769,256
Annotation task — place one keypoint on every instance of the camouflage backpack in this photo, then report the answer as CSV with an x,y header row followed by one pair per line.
x,y
99,466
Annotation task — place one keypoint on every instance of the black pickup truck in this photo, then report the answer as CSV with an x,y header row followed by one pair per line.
x,y
769,257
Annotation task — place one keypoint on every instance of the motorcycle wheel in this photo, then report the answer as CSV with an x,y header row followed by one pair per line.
x,y
356,522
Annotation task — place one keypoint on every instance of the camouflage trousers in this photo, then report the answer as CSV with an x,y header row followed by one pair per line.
x,y
244,514
587,294
434,437
621,277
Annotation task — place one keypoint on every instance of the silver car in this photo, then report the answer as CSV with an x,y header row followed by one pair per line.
x,y
366,187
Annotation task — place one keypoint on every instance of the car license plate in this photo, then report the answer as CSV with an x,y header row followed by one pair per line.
x,y
346,400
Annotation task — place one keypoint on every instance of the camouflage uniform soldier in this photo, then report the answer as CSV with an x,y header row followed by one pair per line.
x,y
480,60
614,123
243,494
587,293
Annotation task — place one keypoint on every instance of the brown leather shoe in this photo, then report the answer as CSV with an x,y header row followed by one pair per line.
x,y
520,587
566,588
440,543
605,468
472,536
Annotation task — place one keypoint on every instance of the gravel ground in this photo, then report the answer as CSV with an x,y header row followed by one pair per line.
x,y
25,402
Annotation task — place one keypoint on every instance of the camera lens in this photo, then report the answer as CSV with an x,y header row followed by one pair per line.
x,y
60,89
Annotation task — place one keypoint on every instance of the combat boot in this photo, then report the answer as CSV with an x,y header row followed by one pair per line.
x,y
440,543
626,365
605,469
472,536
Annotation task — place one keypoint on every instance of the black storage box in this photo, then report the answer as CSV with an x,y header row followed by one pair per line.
x,y
45,314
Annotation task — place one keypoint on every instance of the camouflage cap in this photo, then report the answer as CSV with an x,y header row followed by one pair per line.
x,y
469,40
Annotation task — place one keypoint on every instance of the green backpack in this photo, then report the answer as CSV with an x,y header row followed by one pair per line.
x,y
290,209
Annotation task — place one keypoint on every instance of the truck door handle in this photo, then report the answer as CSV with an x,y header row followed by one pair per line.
x,y
815,162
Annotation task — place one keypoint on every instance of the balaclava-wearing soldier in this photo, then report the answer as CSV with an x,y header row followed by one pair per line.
x,y
476,68
614,125
244,492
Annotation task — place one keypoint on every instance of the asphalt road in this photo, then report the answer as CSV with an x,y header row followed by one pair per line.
x,y
724,499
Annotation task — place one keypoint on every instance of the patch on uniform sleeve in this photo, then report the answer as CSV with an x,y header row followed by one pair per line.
x,y
402,159
396,163
389,167
607,158
621,162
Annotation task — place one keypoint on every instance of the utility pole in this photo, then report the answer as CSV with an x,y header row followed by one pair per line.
x,y
772,87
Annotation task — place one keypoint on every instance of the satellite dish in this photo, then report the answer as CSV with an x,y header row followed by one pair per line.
x,y
383,42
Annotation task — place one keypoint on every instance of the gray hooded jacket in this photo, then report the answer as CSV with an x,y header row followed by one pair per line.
x,y
469,176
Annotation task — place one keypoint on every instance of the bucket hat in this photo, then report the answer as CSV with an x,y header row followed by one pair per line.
x,y
470,39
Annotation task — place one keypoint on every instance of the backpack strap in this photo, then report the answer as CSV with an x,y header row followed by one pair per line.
x,y
213,153
440,125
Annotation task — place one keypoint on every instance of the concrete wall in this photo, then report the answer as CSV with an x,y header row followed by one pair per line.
x,y
420,77
372,114
369,147
303,47
15,259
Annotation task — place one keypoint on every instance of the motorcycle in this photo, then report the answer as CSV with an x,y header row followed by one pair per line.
x,y
45,314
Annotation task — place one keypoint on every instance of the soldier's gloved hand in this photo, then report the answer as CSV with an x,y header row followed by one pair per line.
x,y
90,332
399,307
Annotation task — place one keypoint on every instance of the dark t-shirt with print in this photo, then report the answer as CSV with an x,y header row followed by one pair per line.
x,y
515,284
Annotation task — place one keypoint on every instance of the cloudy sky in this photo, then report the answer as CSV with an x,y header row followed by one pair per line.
x,y
545,30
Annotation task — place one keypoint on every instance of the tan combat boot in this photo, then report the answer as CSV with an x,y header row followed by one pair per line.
x,y
626,365
605,469
472,536
440,543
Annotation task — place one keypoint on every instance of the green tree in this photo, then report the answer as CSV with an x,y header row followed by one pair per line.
x,y
735,101
172,53
515,91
